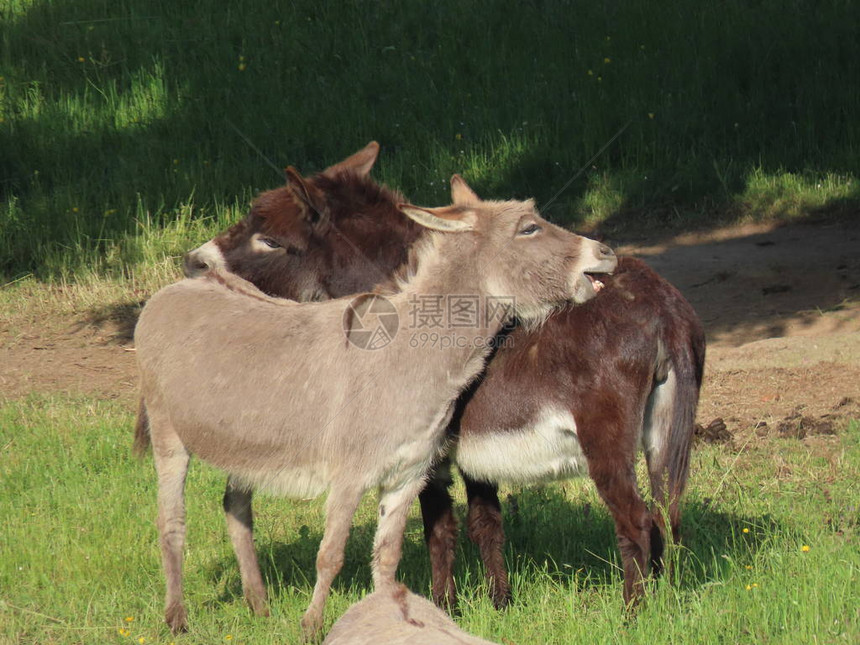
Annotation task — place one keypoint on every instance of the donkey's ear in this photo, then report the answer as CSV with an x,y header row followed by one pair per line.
x,y
301,188
360,163
448,219
461,194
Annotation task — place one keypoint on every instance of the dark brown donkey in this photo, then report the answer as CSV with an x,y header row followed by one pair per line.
x,y
579,395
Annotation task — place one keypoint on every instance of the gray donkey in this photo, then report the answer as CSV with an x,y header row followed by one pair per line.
x,y
396,616
286,399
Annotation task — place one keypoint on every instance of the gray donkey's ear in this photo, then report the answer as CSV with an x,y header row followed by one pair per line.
x,y
448,219
461,194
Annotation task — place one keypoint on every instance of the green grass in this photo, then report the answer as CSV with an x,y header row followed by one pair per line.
x,y
80,556
119,119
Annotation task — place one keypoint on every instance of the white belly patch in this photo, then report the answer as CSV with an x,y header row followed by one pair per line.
x,y
301,483
544,450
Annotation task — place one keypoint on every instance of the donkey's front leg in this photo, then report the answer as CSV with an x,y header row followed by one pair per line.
x,y
485,529
340,507
240,526
440,533
394,506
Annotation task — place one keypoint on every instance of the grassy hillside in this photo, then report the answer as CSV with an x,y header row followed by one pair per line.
x,y
130,130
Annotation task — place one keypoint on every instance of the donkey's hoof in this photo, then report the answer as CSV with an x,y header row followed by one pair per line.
x,y
447,603
501,601
176,618
312,627
258,605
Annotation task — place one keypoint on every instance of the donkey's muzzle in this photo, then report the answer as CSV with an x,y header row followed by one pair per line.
x,y
202,259
604,253
594,258
193,265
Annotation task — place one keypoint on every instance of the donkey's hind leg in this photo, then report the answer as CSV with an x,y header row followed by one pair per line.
x,y
440,533
615,479
171,464
666,441
342,502
240,526
486,530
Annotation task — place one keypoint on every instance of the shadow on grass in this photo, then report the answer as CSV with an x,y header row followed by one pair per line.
x,y
115,106
547,535
120,317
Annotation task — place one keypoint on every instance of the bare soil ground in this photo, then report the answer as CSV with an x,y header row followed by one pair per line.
x,y
781,306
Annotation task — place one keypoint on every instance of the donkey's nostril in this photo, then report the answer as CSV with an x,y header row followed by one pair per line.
x,y
605,252
194,265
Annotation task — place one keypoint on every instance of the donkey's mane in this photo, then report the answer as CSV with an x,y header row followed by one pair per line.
x,y
403,274
351,195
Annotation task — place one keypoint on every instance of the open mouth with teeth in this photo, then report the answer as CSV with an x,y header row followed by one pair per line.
x,y
596,284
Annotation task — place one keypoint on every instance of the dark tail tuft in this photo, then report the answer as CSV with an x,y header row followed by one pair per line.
x,y
689,363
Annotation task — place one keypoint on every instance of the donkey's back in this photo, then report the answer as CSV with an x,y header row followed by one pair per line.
x,y
213,379
398,617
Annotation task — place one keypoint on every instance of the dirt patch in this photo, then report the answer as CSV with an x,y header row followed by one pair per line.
x,y
781,307
75,356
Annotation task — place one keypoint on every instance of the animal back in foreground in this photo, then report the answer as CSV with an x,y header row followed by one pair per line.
x,y
398,617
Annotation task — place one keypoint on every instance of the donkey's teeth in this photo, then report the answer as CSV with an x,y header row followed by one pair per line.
x,y
597,284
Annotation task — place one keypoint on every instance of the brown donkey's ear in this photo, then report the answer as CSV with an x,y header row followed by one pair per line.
x,y
359,163
317,212
448,219
461,194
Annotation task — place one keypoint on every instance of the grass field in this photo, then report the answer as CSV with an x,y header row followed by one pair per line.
x,y
119,119
771,548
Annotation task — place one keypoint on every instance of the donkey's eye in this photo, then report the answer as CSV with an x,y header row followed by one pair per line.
x,y
272,244
531,229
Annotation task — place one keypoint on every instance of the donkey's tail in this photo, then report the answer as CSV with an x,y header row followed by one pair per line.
x,y
688,364
141,431
670,420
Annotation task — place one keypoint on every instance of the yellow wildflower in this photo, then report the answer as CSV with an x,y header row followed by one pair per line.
x,y
650,115
81,59
606,61
805,548
748,587
590,73
746,530
242,67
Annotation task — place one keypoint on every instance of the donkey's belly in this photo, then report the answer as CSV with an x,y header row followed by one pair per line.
x,y
545,449
304,482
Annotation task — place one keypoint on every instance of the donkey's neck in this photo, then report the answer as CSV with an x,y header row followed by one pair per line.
x,y
445,271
